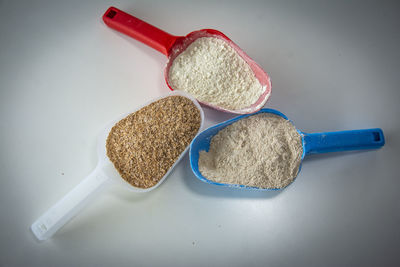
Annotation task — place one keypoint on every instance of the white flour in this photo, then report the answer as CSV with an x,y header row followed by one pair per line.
x,y
262,150
213,72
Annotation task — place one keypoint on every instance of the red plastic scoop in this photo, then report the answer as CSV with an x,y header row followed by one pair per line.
x,y
172,46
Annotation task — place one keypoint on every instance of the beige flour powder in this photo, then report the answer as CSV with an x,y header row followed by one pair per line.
x,y
213,72
262,150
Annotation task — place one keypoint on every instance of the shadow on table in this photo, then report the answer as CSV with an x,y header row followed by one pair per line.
x,y
332,155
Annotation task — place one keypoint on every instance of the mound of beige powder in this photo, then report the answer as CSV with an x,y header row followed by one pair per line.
x,y
262,150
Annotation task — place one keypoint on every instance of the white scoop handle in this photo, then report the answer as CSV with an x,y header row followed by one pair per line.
x,y
66,208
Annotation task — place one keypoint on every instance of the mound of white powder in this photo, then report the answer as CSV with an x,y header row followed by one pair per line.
x,y
213,72
263,150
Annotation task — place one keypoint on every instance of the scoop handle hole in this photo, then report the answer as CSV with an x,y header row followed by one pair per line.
x,y
111,14
377,136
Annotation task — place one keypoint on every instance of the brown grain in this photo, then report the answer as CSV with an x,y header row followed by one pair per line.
x,y
144,145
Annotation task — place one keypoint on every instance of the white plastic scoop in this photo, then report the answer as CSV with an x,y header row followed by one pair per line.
x,y
104,174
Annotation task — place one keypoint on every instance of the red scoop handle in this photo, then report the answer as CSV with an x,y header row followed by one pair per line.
x,y
139,30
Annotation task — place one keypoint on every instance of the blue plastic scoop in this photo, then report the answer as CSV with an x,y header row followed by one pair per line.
x,y
313,143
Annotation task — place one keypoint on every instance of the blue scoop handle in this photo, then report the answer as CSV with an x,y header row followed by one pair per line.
x,y
343,141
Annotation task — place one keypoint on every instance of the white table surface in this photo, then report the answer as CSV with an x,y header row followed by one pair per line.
x,y
64,75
